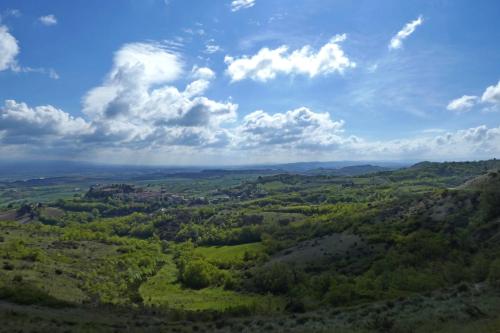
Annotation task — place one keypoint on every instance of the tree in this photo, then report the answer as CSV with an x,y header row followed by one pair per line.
x,y
199,274
276,278
489,203
341,292
494,275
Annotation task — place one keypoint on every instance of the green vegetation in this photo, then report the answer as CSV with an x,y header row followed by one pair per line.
x,y
291,251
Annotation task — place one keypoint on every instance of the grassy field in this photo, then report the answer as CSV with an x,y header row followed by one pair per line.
x,y
229,255
164,290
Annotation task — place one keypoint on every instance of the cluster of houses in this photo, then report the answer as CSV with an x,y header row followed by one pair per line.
x,y
132,193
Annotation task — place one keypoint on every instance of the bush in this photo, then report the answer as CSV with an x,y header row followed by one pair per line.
x,y
17,278
295,306
276,278
33,255
142,231
494,274
489,204
199,274
252,219
8,266
480,268
28,295
341,292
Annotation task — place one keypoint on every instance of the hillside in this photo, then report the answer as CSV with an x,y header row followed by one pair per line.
x,y
489,181
407,250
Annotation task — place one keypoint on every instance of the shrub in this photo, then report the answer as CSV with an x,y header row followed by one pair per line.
x,y
252,219
380,323
489,204
199,274
28,295
494,274
32,255
295,306
8,266
454,273
17,278
142,231
340,293
276,278
284,222
480,268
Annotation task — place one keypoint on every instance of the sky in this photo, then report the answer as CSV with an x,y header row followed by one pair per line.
x,y
186,82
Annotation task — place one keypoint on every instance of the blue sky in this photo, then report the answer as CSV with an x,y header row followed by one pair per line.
x,y
249,81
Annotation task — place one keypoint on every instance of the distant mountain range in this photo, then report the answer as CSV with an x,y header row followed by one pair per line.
x,y
26,170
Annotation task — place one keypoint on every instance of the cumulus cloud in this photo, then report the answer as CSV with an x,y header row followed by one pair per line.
x,y
307,134
204,73
490,100
138,105
267,63
397,41
241,4
9,49
491,95
48,20
300,133
140,109
471,141
20,123
475,142
462,104
299,128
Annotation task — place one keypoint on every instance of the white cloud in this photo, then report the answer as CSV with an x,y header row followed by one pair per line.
x,y
299,128
305,134
23,124
397,41
462,104
492,95
148,63
137,110
471,142
299,134
10,13
137,104
476,142
490,99
202,77
48,20
204,73
196,31
9,49
241,4
267,63
211,47
136,107
50,72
